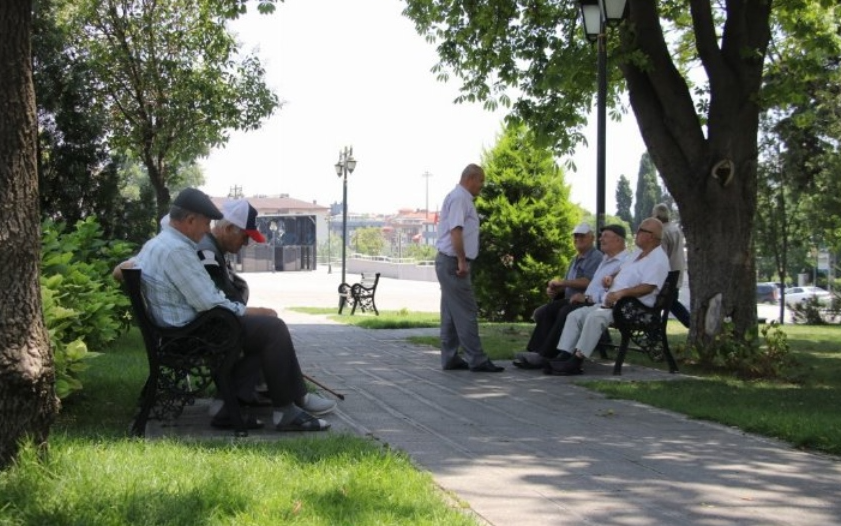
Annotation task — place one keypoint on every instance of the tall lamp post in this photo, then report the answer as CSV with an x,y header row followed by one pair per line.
x,y
598,15
344,166
329,218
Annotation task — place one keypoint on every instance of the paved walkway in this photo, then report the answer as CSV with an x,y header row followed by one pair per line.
x,y
503,444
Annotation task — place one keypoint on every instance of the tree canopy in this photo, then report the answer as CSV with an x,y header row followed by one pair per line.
x,y
694,79
171,79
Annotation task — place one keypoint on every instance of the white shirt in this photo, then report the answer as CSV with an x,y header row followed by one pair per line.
x,y
458,210
649,270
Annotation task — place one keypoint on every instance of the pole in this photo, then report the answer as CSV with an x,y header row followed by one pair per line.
x,y
329,248
344,223
427,175
601,138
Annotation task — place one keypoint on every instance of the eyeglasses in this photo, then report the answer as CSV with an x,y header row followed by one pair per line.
x,y
644,230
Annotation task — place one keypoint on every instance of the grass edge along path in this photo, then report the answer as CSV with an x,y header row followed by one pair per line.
x,y
95,474
799,409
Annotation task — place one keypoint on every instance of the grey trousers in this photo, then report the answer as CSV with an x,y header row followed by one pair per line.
x,y
459,314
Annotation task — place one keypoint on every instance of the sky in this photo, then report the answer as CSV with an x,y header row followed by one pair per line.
x,y
356,73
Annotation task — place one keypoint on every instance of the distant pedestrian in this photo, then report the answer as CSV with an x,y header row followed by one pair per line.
x,y
458,246
673,246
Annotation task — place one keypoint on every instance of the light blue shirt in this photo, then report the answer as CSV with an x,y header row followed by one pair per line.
x,y
176,285
458,210
609,265
583,267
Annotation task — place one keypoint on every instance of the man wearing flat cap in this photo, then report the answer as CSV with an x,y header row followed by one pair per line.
x,y
640,276
177,289
236,228
577,278
612,243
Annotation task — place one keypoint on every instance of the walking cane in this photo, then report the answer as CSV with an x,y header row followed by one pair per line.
x,y
321,385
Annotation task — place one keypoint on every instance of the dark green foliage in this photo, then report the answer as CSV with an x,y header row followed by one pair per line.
x,y
526,221
77,175
624,200
649,192
84,309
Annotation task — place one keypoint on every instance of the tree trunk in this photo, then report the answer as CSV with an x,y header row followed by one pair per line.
x,y
28,403
157,177
712,178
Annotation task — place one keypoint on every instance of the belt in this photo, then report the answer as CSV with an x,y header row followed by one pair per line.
x,y
454,257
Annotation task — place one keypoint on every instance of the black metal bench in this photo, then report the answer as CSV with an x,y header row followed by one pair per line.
x,y
360,295
184,361
645,327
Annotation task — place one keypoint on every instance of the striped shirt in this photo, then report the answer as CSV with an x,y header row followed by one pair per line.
x,y
176,286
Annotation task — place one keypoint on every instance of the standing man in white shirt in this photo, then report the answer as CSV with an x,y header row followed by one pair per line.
x,y
458,246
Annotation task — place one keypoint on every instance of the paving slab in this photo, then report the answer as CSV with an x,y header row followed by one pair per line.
x,y
523,448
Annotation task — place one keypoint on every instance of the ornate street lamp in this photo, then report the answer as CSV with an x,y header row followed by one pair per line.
x,y
597,15
344,166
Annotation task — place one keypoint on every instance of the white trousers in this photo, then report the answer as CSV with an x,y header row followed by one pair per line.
x,y
584,328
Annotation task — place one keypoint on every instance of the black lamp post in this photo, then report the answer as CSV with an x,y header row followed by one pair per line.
x,y
344,166
598,15
329,218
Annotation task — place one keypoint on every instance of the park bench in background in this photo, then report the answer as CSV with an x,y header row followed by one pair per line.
x,y
184,362
360,295
645,327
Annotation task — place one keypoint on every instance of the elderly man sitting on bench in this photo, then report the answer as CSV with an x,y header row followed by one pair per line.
x,y
640,276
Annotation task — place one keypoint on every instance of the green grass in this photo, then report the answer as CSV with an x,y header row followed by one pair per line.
x,y
401,319
94,474
801,408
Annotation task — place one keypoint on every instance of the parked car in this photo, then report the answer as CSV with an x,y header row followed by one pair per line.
x,y
797,295
767,293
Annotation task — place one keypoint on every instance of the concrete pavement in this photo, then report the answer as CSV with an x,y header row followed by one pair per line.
x,y
522,448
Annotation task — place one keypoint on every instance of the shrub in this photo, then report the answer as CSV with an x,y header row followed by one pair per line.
x,y
749,358
83,306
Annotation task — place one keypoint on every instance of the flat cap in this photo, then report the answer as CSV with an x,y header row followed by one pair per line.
x,y
619,230
197,201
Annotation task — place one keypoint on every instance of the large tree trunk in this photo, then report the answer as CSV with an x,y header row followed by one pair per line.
x,y
712,178
28,403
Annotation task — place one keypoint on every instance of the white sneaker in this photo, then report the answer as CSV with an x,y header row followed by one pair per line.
x,y
316,405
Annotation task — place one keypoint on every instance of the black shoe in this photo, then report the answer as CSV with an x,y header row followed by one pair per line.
x,y
564,366
529,360
456,364
487,367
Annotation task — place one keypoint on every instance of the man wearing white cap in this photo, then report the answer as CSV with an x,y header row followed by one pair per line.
x,y
577,279
237,226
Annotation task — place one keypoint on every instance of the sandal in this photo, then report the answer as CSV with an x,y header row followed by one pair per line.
x,y
226,422
304,422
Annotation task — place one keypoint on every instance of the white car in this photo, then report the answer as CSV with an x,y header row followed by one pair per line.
x,y
797,295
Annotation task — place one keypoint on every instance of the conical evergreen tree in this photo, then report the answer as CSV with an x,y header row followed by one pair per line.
x,y
649,192
624,200
526,224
